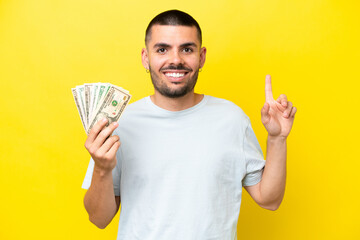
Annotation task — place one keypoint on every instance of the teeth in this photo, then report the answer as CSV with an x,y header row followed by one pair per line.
x,y
175,74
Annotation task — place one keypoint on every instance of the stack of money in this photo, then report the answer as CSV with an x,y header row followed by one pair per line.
x,y
96,101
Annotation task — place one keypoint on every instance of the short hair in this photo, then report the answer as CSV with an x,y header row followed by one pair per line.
x,y
173,18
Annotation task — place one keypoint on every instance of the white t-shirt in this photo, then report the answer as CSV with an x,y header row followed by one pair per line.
x,y
180,174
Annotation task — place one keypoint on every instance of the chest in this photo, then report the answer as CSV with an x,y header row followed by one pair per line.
x,y
204,150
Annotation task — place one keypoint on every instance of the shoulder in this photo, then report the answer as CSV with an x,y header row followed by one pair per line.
x,y
227,108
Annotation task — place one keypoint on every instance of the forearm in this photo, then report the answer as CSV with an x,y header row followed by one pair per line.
x,y
272,187
99,200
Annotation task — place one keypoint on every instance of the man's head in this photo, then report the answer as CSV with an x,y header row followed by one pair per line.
x,y
173,18
173,53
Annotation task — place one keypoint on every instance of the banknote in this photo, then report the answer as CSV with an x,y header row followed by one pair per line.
x,y
77,103
95,101
112,106
93,93
81,93
87,101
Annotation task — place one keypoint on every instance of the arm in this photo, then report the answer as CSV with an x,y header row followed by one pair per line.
x,y
100,201
269,192
277,117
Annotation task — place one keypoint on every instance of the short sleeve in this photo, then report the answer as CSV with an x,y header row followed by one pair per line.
x,y
87,180
254,158
116,174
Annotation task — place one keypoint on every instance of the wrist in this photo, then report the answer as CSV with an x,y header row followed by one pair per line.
x,y
101,172
276,138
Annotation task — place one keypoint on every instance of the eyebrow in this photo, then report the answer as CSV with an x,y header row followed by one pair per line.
x,y
161,45
188,44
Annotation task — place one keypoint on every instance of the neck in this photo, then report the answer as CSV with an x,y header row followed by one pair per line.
x,y
176,104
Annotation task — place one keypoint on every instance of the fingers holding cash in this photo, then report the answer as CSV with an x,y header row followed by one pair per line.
x,y
102,138
100,106
102,146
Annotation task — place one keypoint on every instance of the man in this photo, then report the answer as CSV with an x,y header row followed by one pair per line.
x,y
184,157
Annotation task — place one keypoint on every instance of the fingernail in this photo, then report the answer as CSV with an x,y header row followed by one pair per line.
x,y
104,120
115,123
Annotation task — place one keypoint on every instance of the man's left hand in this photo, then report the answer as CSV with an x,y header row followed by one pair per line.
x,y
277,116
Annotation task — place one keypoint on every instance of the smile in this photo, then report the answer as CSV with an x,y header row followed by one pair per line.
x,y
175,75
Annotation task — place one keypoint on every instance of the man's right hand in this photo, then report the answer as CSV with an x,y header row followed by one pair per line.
x,y
102,146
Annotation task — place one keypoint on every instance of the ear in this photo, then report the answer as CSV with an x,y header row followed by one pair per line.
x,y
202,56
145,58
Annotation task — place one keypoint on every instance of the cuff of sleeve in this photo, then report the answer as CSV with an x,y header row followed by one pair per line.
x,y
253,178
117,191
86,184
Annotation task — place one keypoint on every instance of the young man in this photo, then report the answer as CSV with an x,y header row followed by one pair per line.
x,y
184,157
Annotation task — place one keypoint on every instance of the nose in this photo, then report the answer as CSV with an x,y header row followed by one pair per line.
x,y
176,57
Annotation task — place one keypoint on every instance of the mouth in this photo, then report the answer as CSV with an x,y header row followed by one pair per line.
x,y
175,76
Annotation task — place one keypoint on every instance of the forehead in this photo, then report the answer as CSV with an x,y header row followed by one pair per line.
x,y
173,35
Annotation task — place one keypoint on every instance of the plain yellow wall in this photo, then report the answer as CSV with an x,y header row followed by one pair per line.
x,y
311,49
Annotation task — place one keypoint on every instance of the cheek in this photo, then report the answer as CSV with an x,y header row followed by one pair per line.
x,y
194,62
157,62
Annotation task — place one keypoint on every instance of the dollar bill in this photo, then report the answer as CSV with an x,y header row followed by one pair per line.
x,y
81,93
77,103
87,89
106,90
93,95
102,90
111,106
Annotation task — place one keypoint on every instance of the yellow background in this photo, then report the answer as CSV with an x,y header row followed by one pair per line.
x,y
309,47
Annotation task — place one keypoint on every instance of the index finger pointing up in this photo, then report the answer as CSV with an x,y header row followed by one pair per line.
x,y
268,89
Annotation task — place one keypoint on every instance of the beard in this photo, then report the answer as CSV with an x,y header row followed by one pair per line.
x,y
166,91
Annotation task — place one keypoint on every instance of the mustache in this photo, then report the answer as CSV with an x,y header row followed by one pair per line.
x,y
178,67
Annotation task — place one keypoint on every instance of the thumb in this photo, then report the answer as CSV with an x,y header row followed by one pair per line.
x,y
265,116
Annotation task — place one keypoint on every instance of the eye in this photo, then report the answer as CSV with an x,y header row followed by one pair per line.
x,y
187,50
161,50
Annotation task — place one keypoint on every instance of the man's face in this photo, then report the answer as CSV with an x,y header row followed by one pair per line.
x,y
173,56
